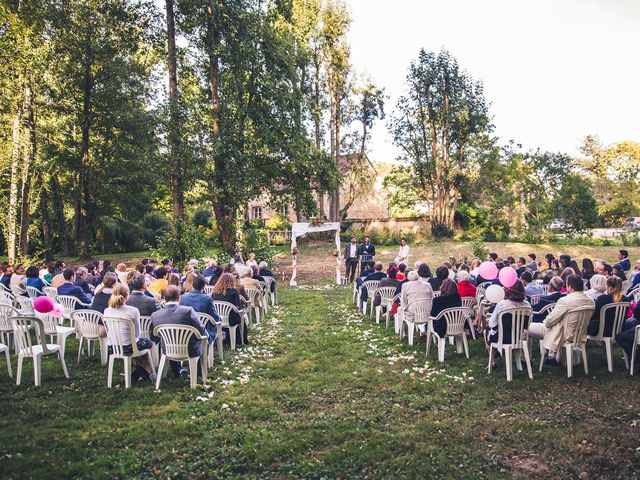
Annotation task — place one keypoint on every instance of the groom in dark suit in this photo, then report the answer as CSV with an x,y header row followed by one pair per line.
x,y
367,252
351,253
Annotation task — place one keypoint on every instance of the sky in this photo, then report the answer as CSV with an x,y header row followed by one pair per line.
x,y
554,71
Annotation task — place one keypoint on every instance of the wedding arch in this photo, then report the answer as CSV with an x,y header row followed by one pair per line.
x,y
301,229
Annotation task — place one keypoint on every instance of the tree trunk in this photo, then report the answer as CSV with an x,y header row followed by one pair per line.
x,y
175,157
336,194
332,143
13,187
46,221
82,231
30,152
59,212
316,120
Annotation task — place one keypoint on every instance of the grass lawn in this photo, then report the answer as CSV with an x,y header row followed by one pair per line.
x,y
322,392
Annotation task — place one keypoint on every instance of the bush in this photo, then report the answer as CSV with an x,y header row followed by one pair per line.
x,y
118,235
383,237
185,244
440,231
254,241
479,249
155,224
202,217
278,222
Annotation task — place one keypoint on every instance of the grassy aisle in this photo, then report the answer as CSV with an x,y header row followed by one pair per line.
x,y
322,392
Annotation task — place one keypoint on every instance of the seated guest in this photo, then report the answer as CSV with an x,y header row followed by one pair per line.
x,y
564,261
613,295
217,271
377,274
449,298
618,272
173,278
515,296
623,261
366,271
121,272
160,283
635,277
246,277
465,287
475,267
263,271
413,290
626,337
34,280
555,287
81,280
401,269
521,266
119,309
442,274
106,268
391,280
201,303
603,268
18,283
58,277
103,293
451,269
251,260
211,269
566,273
145,304
531,288
72,290
588,270
225,291
598,286
187,285
532,265
554,330
5,279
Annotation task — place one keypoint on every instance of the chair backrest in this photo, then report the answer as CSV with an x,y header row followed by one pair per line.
x,y
579,317
115,326
208,289
205,319
269,281
175,339
480,291
224,310
253,295
616,310
534,299
469,302
22,329
545,288
6,298
145,326
386,293
49,322
6,312
520,318
263,285
396,298
371,286
26,304
636,295
436,293
51,292
538,281
421,310
547,309
626,284
68,302
87,322
455,318
33,292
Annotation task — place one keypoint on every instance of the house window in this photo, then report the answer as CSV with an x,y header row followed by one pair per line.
x,y
256,213
284,211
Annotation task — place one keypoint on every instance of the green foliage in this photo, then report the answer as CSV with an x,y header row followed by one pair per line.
x,y
202,217
254,241
441,231
278,222
403,189
383,237
181,245
155,225
576,203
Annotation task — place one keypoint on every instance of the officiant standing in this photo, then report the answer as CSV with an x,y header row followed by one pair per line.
x,y
367,252
351,252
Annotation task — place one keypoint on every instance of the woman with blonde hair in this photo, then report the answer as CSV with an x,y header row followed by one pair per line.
x,y
187,286
121,271
251,262
119,309
226,290
174,279
612,295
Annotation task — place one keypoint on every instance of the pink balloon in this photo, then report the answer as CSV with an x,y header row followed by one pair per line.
x,y
43,304
57,311
488,270
508,277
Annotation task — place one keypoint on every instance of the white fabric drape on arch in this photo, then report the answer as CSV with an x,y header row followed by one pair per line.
x,y
301,229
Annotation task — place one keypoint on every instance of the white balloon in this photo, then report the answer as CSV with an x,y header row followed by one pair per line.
x,y
494,293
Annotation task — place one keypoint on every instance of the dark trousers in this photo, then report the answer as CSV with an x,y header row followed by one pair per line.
x,y
626,337
352,265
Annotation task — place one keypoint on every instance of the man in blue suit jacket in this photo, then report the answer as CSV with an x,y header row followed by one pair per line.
x,y
377,274
68,287
201,303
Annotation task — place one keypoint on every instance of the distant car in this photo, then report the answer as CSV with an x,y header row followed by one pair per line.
x,y
559,224
631,223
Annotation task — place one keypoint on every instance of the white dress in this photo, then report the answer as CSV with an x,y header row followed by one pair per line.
x,y
403,254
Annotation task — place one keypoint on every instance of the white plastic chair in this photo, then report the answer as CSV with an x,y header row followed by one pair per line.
x,y
88,327
421,310
520,318
636,341
371,286
175,346
33,292
6,327
224,310
619,314
116,339
255,302
265,295
480,291
6,298
386,294
205,320
27,348
56,332
145,332
272,295
70,305
390,303
52,293
577,342
535,299
4,348
26,305
208,289
472,303
455,318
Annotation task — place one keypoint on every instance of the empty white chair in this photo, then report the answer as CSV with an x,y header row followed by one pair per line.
x,y
25,305
272,295
421,309
56,332
26,347
371,286
619,312
472,303
386,294
224,310
206,320
580,317
114,328
175,346
70,304
4,348
455,319
6,328
265,298
255,302
87,323
33,292
520,318
51,292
